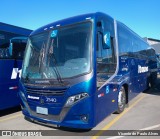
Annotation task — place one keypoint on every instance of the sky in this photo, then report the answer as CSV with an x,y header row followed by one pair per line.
x,y
142,16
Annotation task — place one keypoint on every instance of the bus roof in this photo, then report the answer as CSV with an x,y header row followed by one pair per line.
x,y
22,38
14,29
71,20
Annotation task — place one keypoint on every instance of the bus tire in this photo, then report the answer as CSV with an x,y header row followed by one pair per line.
x,y
149,84
121,100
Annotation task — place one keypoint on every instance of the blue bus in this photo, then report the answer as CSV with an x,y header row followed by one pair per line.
x,y
79,70
12,44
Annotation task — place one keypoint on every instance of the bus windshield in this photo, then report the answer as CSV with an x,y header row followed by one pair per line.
x,y
60,53
17,47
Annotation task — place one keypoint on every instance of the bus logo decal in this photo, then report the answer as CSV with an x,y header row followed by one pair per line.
x,y
142,69
42,101
15,72
33,97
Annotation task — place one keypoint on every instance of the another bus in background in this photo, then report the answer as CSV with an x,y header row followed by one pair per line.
x,y
12,45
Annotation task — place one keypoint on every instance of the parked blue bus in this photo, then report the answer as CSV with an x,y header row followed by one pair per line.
x,y
79,70
12,44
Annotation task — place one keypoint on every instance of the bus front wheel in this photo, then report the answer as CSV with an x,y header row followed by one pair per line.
x,y
121,100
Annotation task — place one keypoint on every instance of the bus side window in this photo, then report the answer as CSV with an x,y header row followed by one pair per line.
x,y
99,44
4,53
105,57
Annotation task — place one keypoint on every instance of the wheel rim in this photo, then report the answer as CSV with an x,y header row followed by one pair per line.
x,y
121,99
149,84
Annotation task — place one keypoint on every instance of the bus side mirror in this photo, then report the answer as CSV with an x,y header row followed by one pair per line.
x,y
107,40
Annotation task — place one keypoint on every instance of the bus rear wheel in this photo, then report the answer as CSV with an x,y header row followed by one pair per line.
x,y
149,84
121,100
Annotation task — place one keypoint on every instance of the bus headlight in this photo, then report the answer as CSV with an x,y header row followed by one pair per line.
x,y
73,99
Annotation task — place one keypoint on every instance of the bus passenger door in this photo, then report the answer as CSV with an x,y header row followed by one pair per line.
x,y
106,61
106,67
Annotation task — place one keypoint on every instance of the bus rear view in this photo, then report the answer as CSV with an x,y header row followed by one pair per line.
x,y
73,75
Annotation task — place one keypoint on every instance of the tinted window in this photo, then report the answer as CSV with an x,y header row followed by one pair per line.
x,y
129,43
18,46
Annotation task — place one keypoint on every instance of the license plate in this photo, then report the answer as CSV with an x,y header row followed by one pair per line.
x,y
41,110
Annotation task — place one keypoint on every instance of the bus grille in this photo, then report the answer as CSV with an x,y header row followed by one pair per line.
x,y
45,91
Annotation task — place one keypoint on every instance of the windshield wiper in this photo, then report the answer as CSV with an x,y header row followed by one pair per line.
x,y
41,57
26,79
52,56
